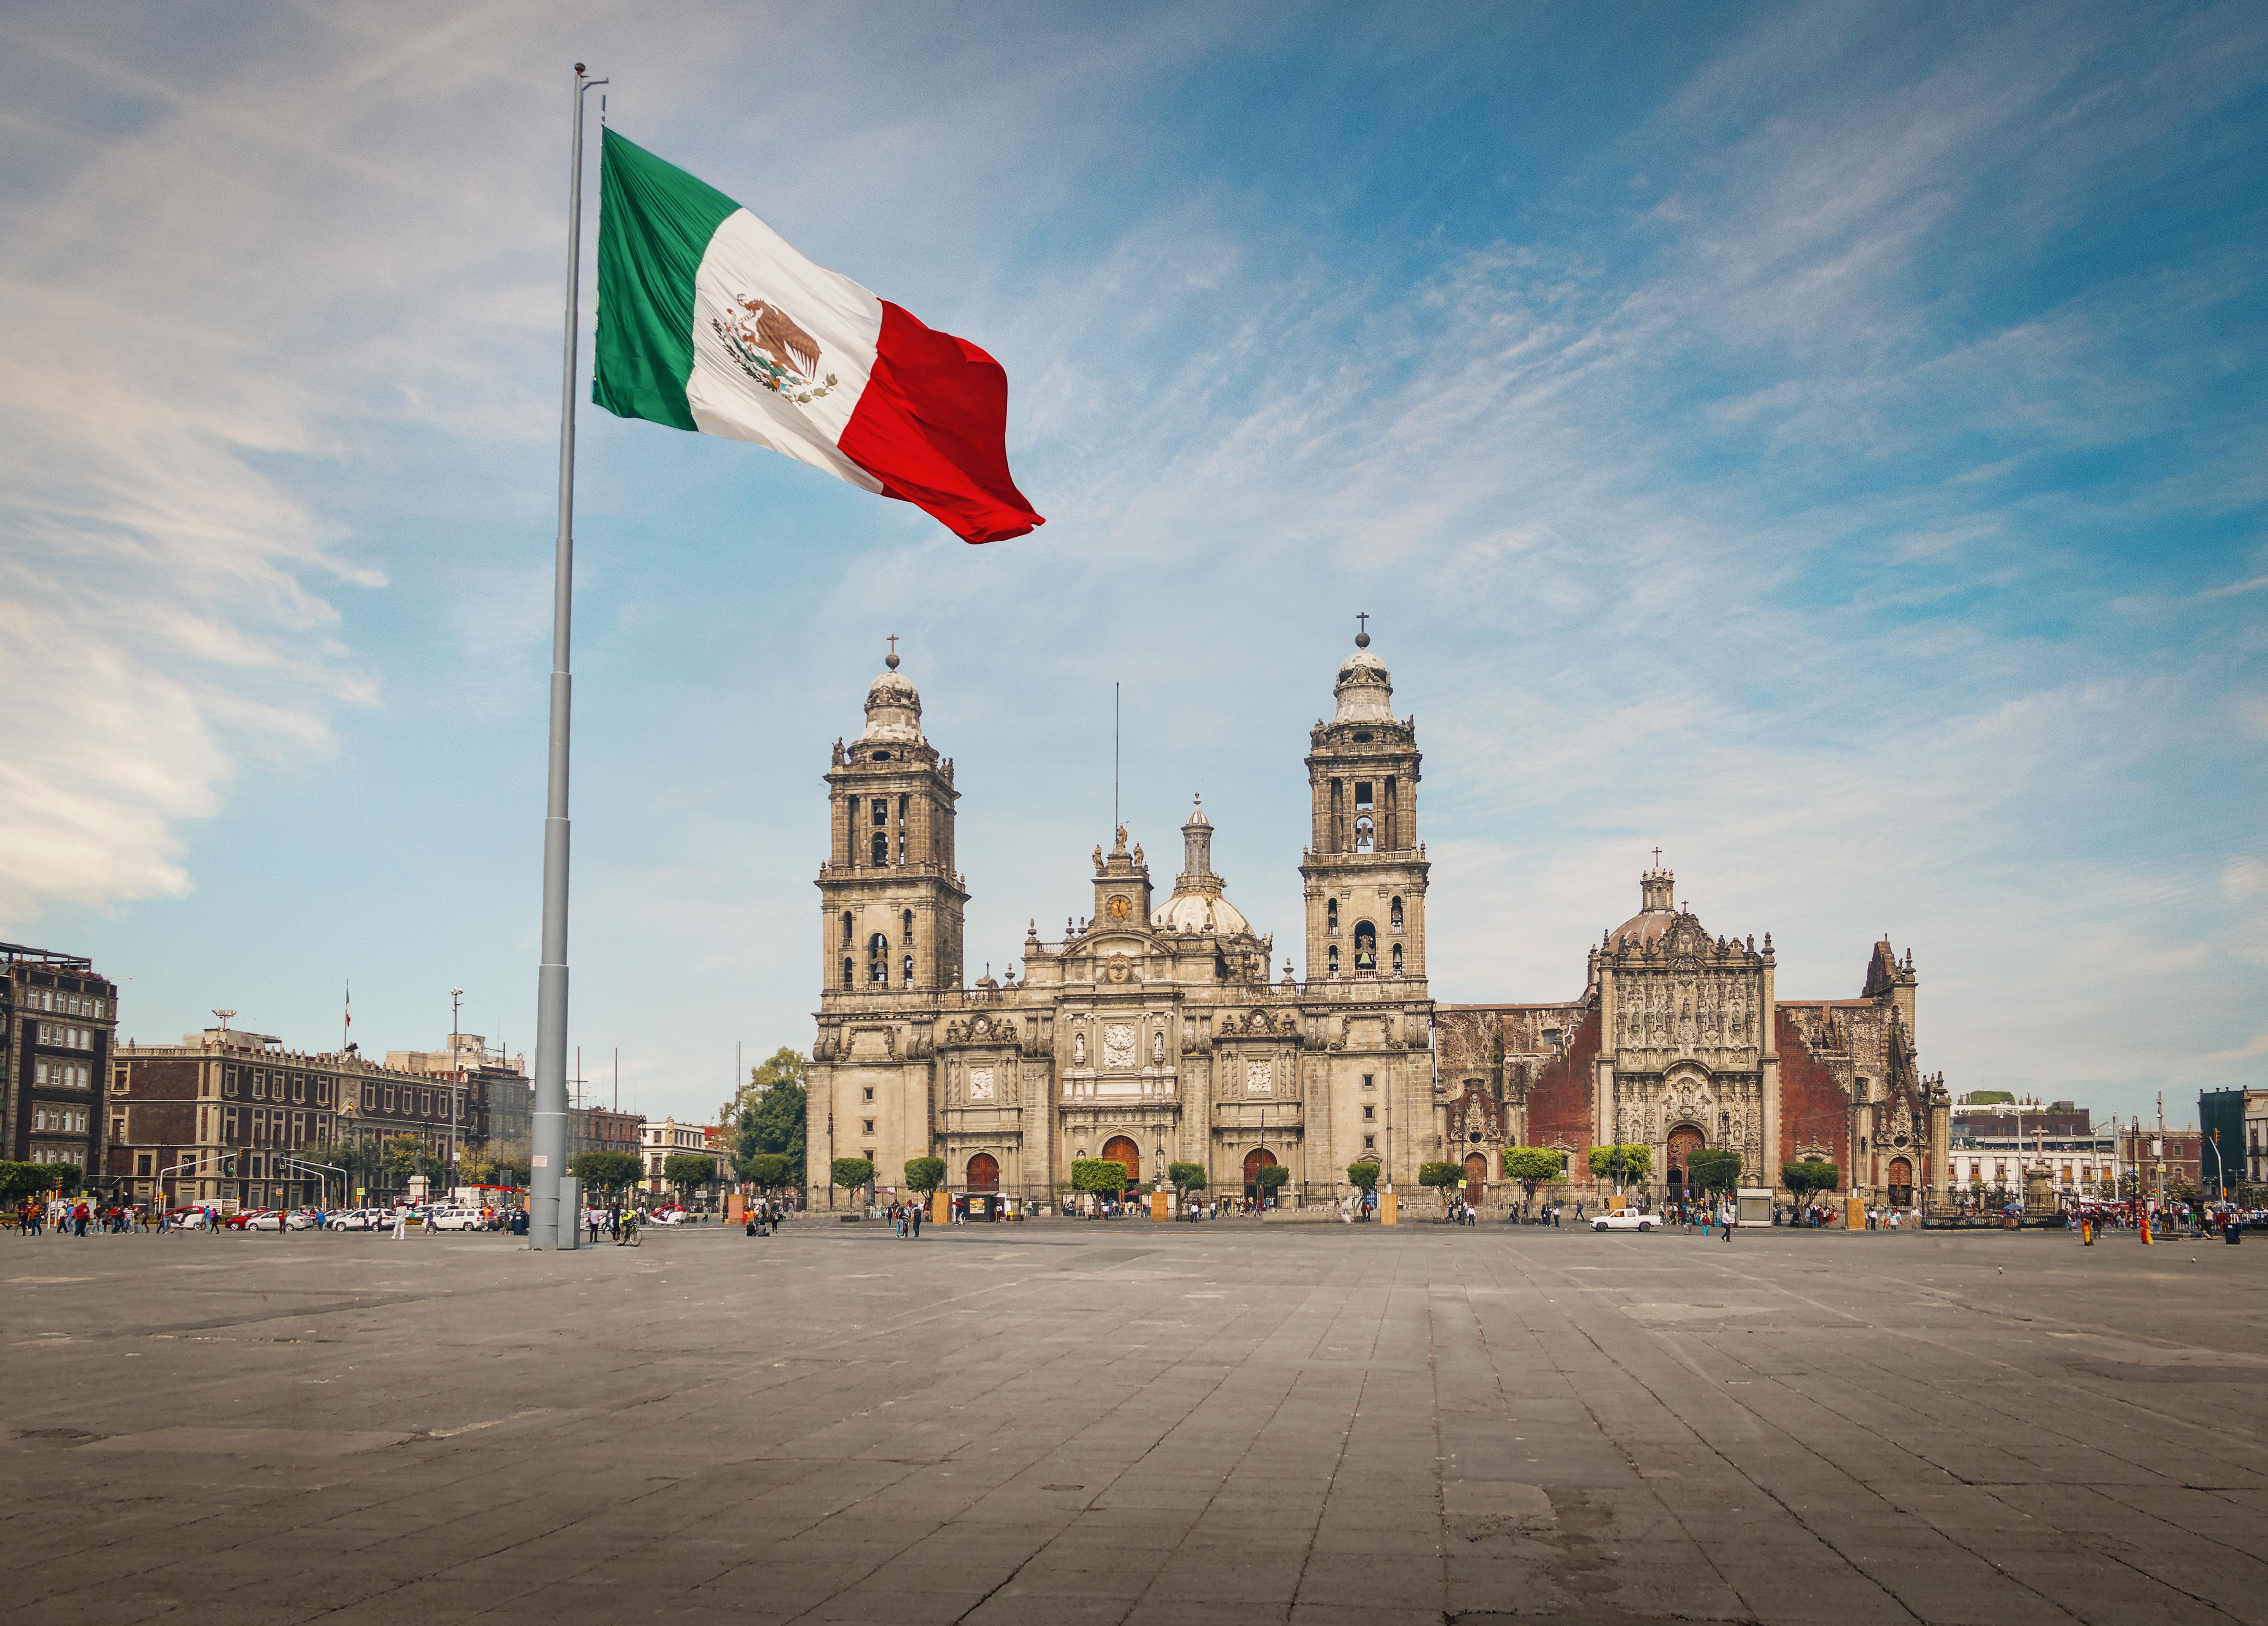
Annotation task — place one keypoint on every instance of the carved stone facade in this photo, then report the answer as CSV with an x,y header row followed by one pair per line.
x,y
1150,1031
1680,1042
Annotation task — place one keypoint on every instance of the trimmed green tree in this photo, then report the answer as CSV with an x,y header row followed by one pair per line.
x,y
924,1174
852,1173
1271,1180
1098,1176
1362,1176
606,1173
689,1171
1529,1166
1624,1165
1805,1177
1186,1177
1713,1170
1441,1177
767,1171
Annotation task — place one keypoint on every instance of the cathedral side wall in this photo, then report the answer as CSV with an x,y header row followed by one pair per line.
x,y
1815,1110
1560,1102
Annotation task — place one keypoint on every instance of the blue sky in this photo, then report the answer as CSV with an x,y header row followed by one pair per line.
x,y
1826,442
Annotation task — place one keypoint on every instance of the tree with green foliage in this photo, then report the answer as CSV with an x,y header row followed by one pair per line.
x,y
1362,1176
1529,1166
1099,1176
1271,1179
1624,1165
767,1171
851,1173
1186,1177
924,1174
606,1173
402,1155
1714,1171
689,1171
771,1119
1805,1177
781,1066
18,1181
1441,1177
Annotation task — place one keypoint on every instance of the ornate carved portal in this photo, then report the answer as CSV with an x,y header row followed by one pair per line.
x,y
1685,1141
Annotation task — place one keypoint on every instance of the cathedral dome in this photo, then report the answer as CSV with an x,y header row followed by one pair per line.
x,y
1210,913
1364,690
1198,903
1656,913
893,709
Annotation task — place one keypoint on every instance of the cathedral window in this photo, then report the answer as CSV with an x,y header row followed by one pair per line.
x,y
1363,840
1369,1111
1366,946
1335,960
1361,794
881,813
846,928
1331,916
1397,960
1394,915
907,935
910,970
878,960
1219,966
870,1092
1369,1081
846,971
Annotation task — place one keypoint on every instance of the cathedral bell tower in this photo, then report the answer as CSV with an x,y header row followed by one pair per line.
x,y
890,900
1365,870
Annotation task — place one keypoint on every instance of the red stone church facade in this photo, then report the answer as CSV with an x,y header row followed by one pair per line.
x,y
1680,1040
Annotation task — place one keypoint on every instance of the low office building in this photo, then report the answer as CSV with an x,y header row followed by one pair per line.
x,y
1991,1146
2148,1152
233,1118
667,1139
58,1026
600,1128
497,1101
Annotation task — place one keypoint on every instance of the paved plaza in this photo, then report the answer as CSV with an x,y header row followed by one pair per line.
x,y
1064,1423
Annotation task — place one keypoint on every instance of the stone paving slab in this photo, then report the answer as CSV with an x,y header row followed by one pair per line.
x,y
1058,1422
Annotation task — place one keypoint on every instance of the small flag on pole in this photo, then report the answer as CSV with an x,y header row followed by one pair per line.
x,y
708,321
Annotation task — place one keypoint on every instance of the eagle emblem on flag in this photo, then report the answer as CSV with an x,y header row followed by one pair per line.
x,y
771,348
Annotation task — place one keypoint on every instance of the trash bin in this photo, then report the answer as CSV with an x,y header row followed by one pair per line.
x,y
2232,1234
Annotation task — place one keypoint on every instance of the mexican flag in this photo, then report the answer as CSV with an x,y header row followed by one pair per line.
x,y
709,320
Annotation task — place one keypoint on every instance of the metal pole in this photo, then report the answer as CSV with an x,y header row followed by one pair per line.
x,y
548,1139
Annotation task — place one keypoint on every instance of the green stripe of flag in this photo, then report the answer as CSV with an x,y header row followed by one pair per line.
x,y
655,222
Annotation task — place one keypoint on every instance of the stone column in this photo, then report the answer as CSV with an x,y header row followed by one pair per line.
x,y
1941,1148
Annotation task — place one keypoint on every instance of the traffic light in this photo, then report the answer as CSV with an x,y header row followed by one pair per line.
x,y
228,1166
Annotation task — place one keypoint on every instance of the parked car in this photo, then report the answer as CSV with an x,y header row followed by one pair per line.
x,y
456,1219
268,1220
354,1219
1626,1219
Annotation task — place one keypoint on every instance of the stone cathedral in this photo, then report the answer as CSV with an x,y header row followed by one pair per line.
x,y
1153,1031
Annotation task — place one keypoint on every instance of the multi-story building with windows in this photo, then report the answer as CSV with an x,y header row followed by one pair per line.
x,y
658,1142
1993,1144
58,1026
2234,1125
232,1117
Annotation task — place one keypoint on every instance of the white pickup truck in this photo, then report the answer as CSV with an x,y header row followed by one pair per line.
x,y
1626,1219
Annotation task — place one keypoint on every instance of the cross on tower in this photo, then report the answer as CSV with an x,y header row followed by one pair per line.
x,y
891,659
1657,858
1362,622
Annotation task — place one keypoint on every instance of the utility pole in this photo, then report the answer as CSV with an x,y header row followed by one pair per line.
x,y
456,1069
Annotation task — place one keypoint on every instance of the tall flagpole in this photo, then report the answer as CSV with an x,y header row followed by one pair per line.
x,y
548,1141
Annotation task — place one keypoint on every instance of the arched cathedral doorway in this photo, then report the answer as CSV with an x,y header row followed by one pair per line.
x,y
983,1173
1475,1178
1685,1141
1254,1160
1901,1183
1126,1154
